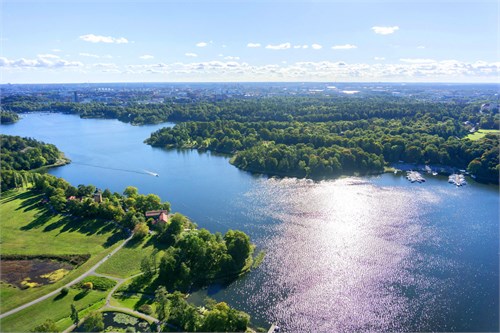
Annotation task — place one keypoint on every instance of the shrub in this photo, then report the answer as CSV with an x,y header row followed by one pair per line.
x,y
97,282
146,308
64,291
88,285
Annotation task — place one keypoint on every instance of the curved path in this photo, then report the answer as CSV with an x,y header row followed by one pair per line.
x,y
78,279
108,306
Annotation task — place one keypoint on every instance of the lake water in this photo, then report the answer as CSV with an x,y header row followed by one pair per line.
x,y
352,254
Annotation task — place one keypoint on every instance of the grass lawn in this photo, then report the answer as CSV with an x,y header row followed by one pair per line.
x,y
127,261
132,301
480,134
56,308
29,228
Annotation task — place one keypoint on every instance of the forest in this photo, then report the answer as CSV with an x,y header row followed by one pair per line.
x,y
351,137
8,117
26,153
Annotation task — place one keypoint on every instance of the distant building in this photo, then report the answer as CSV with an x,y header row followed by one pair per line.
x,y
98,195
75,97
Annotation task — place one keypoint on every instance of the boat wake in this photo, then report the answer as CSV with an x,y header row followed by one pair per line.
x,y
144,172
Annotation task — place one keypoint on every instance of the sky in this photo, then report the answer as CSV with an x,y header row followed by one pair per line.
x,y
249,41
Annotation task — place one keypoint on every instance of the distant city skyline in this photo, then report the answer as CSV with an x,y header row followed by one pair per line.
x,y
250,41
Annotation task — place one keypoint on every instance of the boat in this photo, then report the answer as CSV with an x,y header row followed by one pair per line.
x,y
457,179
414,176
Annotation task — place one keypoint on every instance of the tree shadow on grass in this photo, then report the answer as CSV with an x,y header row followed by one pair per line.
x,y
133,243
29,202
114,238
40,220
12,195
60,296
81,295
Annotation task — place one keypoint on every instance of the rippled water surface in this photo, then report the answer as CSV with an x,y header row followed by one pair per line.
x,y
353,254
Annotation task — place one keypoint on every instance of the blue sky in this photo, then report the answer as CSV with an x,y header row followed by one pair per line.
x,y
167,41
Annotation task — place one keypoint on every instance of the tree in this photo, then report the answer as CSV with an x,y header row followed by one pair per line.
x,y
148,267
94,322
163,307
88,285
48,326
141,230
174,228
130,192
238,246
74,314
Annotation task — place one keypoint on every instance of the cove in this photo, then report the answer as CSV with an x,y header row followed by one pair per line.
x,y
352,254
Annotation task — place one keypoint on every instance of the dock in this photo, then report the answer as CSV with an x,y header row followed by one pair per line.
x,y
414,176
274,328
457,179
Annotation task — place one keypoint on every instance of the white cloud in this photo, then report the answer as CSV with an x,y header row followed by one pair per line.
x,y
379,58
305,46
421,47
282,46
344,47
146,57
42,61
385,30
316,46
190,54
253,45
201,44
417,60
231,58
56,50
103,39
90,55
48,56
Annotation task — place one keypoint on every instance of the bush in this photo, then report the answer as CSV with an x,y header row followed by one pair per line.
x,y
146,308
88,285
64,291
97,282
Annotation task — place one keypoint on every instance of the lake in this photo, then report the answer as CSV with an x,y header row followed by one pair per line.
x,y
352,254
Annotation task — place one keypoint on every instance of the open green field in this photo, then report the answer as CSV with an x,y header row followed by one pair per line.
x,y
27,227
127,261
480,134
132,301
56,308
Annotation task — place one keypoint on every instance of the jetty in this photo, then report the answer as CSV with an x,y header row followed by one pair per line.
x,y
414,176
274,328
457,179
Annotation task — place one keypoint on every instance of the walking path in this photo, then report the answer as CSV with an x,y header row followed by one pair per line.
x,y
108,306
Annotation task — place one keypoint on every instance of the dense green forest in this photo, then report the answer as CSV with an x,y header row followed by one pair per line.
x,y
8,117
302,109
356,136
25,153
